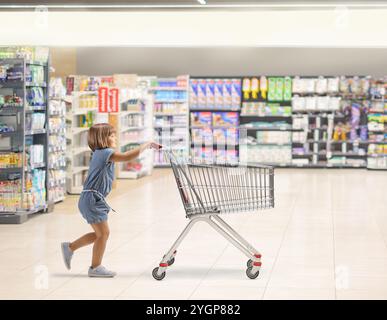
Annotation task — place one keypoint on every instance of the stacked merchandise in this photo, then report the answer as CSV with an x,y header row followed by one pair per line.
x,y
377,129
214,119
135,127
57,141
266,124
81,112
23,126
331,112
170,115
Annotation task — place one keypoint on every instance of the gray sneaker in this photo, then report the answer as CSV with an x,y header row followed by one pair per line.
x,y
67,254
101,272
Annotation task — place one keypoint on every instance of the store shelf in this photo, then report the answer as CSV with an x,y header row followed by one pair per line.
x,y
12,84
8,134
132,129
77,112
35,166
168,89
264,116
265,144
36,63
21,139
170,127
376,155
269,129
215,109
171,101
347,154
36,131
36,84
161,114
36,108
126,113
10,170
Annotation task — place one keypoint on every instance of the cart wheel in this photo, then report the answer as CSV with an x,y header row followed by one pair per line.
x,y
171,262
250,274
158,277
249,263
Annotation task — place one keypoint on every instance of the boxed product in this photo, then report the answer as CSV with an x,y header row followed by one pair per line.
x,y
219,136
225,119
202,136
322,103
201,119
193,93
236,93
202,93
333,85
321,85
310,103
232,136
272,89
279,89
232,156
210,93
218,93
287,89
298,103
227,93
220,155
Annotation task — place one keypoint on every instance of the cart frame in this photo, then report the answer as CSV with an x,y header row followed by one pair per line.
x,y
209,211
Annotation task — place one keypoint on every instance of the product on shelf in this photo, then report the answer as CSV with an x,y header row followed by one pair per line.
x,y
201,119
225,119
10,160
35,96
35,121
215,93
10,101
35,74
266,154
275,137
4,128
10,195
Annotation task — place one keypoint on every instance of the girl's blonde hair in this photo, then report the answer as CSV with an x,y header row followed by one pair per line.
x,y
98,136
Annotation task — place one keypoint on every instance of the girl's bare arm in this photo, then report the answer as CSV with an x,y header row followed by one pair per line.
x,y
133,154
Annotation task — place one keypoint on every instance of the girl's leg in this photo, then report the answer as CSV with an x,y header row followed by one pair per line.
x,y
102,234
85,240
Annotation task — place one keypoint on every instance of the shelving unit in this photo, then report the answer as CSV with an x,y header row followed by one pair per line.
x,y
377,126
214,106
134,124
23,151
81,112
170,117
266,121
57,141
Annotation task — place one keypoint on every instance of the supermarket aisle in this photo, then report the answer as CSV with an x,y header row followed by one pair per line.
x,y
326,239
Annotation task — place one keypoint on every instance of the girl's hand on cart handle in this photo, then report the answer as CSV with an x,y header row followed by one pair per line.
x,y
150,145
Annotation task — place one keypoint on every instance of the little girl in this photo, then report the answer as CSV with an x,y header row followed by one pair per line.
x,y
98,184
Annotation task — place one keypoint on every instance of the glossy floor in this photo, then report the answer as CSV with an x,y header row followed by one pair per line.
x,y
326,239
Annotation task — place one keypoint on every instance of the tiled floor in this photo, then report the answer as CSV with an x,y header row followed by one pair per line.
x,y
326,239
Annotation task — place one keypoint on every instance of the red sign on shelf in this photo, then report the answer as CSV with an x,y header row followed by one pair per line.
x,y
103,95
114,100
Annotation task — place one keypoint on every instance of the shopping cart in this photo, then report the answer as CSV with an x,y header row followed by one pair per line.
x,y
210,190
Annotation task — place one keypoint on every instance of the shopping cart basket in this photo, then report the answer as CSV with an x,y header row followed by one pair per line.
x,y
210,190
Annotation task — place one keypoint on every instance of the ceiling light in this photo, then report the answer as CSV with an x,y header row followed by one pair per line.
x,y
202,2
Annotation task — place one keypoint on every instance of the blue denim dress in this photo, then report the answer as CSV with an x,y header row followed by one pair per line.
x,y
97,186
